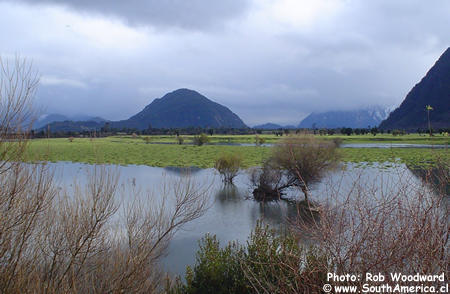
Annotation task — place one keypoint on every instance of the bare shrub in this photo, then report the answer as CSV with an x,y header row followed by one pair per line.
x,y
364,227
18,83
73,240
385,229
26,194
228,166
74,232
131,262
77,241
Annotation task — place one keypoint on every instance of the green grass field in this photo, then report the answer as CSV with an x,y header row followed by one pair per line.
x,y
270,138
125,151
136,152
438,139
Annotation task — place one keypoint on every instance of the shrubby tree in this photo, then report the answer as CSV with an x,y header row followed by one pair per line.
x,y
374,131
147,139
297,161
180,140
428,108
397,132
269,181
347,131
228,166
259,140
200,140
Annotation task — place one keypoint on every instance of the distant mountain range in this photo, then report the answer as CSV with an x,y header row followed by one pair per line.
x,y
272,126
47,119
182,108
74,126
433,90
361,118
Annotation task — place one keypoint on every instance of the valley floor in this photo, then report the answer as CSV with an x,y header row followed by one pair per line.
x,y
161,151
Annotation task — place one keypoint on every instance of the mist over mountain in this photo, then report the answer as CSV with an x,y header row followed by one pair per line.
x,y
268,126
73,126
272,126
360,118
433,90
182,108
47,119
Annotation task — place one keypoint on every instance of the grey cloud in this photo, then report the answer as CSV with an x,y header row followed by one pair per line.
x,y
370,52
188,14
52,80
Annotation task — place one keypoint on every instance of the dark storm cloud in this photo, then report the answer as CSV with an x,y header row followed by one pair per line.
x,y
189,14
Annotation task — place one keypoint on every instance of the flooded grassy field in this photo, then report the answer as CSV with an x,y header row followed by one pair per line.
x,y
127,150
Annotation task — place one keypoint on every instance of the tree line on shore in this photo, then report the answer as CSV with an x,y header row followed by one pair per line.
x,y
107,131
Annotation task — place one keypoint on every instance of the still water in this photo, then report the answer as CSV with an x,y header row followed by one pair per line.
x,y
232,213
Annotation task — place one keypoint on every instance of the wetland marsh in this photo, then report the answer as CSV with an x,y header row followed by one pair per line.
x,y
128,150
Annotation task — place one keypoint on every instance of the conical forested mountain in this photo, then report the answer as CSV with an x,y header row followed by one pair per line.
x,y
433,90
181,109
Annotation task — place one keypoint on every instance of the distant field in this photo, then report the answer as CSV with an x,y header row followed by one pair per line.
x,y
270,138
388,138
128,150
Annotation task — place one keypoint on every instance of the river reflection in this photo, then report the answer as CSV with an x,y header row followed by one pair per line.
x,y
233,214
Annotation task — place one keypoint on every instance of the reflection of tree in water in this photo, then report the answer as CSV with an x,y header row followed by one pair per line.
x,y
182,171
281,215
280,212
438,178
230,193
272,213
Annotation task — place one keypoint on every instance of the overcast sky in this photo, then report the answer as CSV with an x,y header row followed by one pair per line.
x,y
267,60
